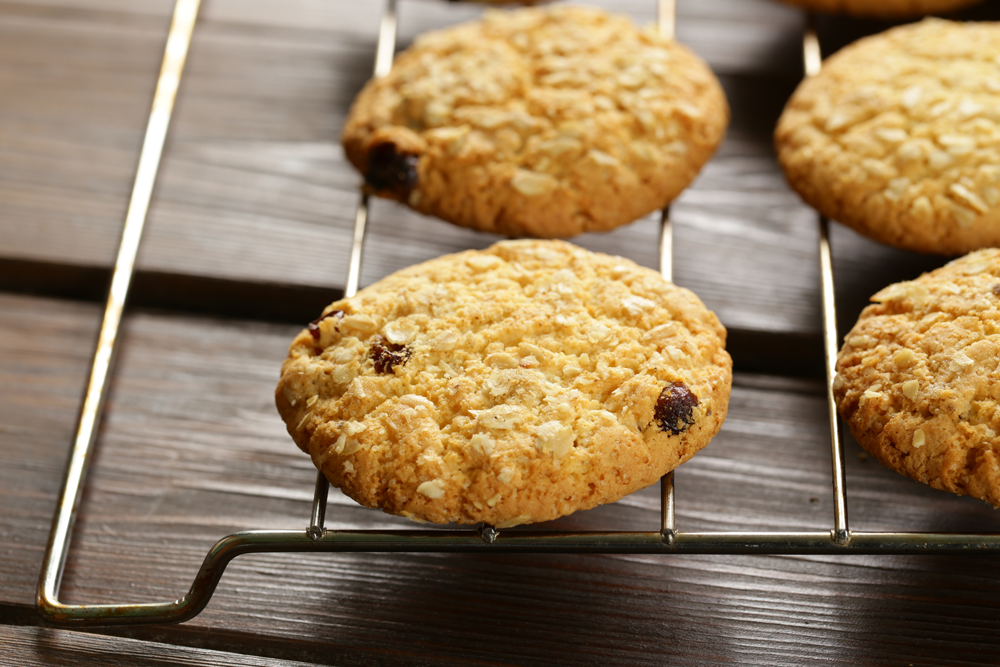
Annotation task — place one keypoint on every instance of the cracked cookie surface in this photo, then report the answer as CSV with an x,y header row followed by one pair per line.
x,y
918,378
538,122
899,137
511,385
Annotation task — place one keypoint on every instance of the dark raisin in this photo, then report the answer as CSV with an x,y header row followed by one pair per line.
x,y
392,171
675,408
386,356
314,325
996,289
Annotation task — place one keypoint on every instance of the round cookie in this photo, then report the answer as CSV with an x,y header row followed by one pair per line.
x,y
918,378
899,137
511,385
882,8
538,122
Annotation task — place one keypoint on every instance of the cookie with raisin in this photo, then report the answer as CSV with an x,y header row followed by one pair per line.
x,y
918,378
898,137
510,385
543,122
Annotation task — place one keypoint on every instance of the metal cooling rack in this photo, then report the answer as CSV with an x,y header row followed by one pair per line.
x,y
315,538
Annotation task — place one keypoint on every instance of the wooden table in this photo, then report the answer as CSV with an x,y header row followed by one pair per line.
x,y
248,238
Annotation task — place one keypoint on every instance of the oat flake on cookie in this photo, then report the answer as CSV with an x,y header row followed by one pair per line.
x,y
918,378
543,122
899,137
506,386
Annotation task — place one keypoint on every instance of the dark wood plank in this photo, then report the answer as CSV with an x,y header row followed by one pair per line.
x,y
254,187
76,87
275,169
192,449
255,202
45,346
255,190
34,647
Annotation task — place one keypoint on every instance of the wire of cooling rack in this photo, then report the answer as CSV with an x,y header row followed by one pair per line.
x,y
316,538
812,62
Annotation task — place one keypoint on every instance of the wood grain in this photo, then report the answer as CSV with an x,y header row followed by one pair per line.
x,y
250,221
76,88
254,187
32,647
45,347
192,449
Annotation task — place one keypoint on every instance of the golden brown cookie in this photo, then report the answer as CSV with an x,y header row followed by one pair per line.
x,y
883,8
918,378
511,385
899,137
539,122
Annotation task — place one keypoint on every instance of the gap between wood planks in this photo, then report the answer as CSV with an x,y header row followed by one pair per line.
x,y
763,352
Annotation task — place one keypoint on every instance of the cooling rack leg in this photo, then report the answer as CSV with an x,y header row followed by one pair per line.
x,y
357,246
318,519
384,50
841,533
666,269
812,56
667,15
386,39
666,245
667,528
178,41
812,60
666,11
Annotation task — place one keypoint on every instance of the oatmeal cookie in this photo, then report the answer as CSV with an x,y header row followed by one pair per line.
x,y
538,122
899,137
918,378
511,385
883,8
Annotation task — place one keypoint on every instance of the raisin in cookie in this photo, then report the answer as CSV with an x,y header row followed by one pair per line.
x,y
899,137
883,8
918,378
511,385
538,122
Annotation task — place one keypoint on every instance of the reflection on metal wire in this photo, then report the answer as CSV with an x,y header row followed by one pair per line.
x,y
315,538
812,59
175,53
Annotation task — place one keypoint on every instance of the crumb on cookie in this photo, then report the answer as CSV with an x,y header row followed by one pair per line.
x,y
918,377
539,122
899,137
511,385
